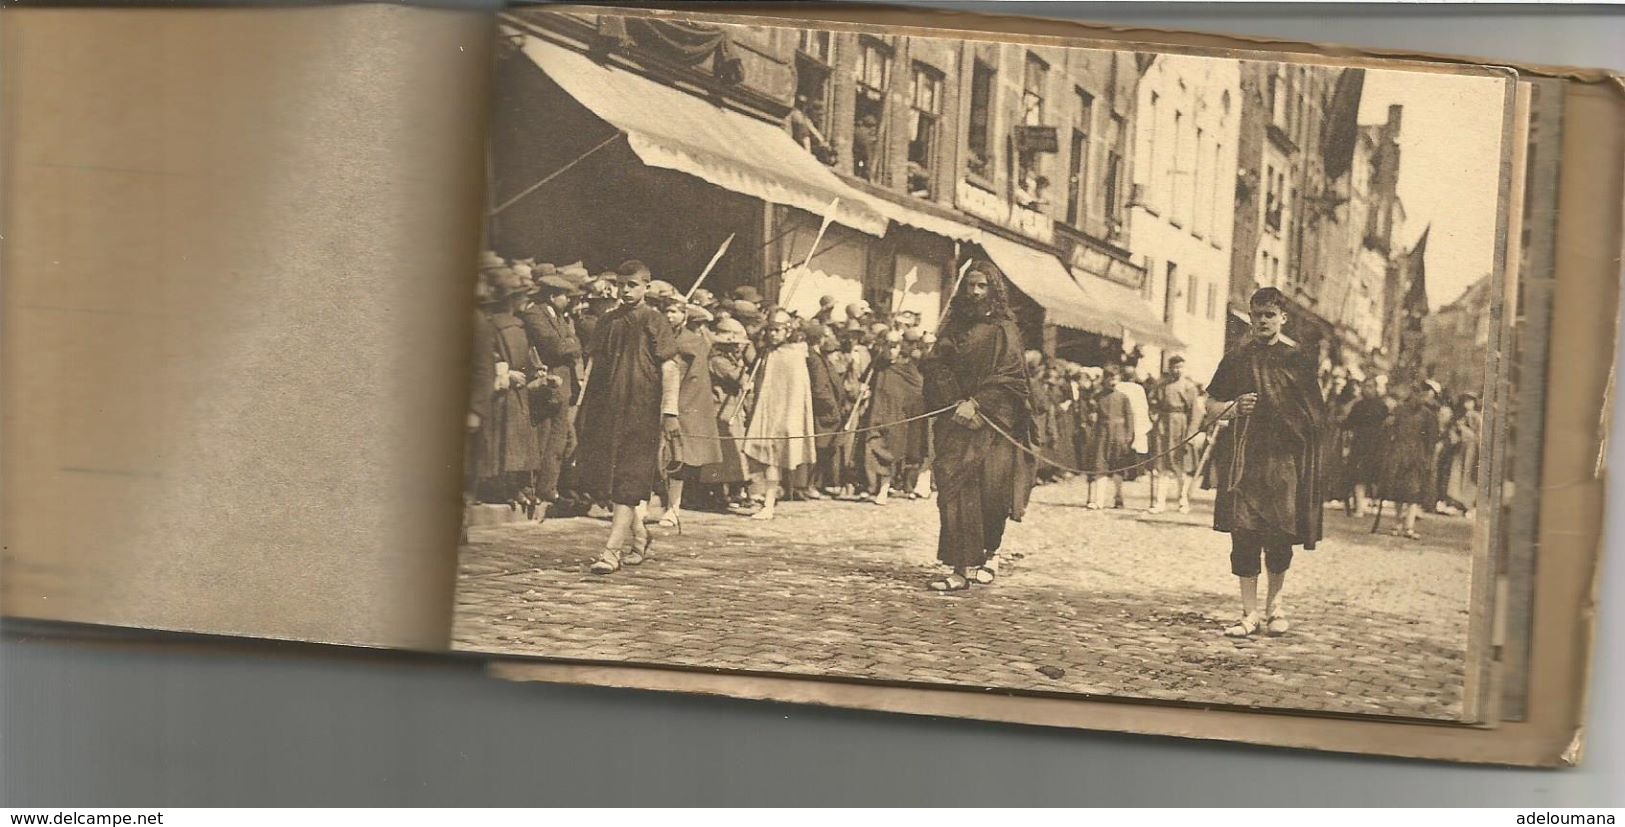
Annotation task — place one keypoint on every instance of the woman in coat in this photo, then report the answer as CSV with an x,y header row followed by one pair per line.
x,y
1461,491
1407,478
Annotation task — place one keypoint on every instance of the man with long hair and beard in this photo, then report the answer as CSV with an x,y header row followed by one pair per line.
x,y
983,479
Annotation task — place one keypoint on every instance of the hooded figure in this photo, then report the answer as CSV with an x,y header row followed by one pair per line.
x,y
983,479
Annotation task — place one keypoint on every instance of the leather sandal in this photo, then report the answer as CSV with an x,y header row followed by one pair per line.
x,y
1246,626
952,583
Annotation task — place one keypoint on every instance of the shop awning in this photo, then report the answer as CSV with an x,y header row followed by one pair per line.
x,y
919,219
1046,281
671,129
1129,309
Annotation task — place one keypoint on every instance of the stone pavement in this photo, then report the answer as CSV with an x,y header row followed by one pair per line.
x,y
1116,603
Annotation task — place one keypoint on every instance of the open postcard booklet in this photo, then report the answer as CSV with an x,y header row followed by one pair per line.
x,y
984,367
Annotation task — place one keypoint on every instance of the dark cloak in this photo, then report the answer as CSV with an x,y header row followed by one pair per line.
x,y
982,479
1270,479
619,447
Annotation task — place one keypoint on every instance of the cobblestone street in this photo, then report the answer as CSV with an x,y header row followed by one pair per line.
x,y
1117,603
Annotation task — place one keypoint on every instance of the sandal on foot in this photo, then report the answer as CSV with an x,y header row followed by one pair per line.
x,y
636,556
1245,627
986,573
1278,624
609,563
951,583
764,514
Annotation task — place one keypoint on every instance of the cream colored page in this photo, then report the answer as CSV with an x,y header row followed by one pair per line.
x,y
235,240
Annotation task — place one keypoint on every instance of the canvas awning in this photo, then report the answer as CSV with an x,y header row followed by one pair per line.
x,y
1129,310
1046,281
919,219
671,129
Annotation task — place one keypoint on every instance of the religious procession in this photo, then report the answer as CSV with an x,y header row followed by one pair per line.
x,y
617,395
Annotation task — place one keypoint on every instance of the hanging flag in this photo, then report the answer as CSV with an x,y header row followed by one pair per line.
x,y
1416,296
1341,128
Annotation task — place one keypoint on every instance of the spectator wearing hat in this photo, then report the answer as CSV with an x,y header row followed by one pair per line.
x,y
697,442
619,447
602,296
482,375
826,310
1364,426
747,293
1407,478
778,438
829,405
1176,405
704,298
554,345
510,449
1461,440
728,367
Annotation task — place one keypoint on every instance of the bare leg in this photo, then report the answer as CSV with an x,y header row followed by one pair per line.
x,y
770,494
1249,595
1359,499
620,528
1272,603
674,496
1274,611
1183,482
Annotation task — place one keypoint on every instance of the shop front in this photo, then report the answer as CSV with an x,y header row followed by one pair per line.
x,y
599,163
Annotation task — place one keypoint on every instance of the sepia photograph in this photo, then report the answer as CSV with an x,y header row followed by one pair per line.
x,y
1027,367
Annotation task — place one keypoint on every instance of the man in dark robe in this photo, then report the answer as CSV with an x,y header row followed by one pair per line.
x,y
896,395
553,337
619,449
983,479
1269,492
829,405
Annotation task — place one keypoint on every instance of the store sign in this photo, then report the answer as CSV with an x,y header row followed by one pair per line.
x,y
988,206
1100,263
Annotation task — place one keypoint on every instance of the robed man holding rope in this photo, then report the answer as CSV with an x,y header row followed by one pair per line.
x,y
1269,493
983,479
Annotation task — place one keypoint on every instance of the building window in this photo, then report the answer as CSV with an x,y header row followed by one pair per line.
x,y
869,111
1199,187
1272,198
818,45
1033,81
1191,286
980,142
1031,182
1212,300
925,112
1077,180
1170,291
1176,207
1150,176
810,119
1213,191
1114,176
